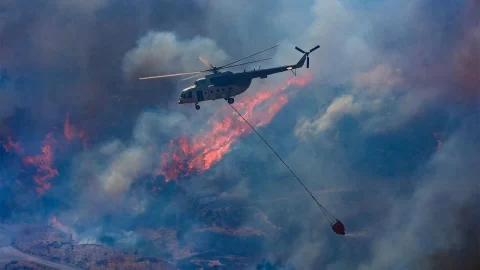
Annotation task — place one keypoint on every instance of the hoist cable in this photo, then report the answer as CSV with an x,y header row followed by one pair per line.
x,y
325,212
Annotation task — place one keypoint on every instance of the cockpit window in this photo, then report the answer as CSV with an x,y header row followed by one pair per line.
x,y
186,94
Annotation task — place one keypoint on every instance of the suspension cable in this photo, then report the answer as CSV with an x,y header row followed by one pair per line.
x,y
325,212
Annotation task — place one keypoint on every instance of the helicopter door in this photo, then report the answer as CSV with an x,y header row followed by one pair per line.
x,y
200,96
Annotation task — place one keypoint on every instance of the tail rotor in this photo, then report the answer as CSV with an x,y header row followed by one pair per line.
x,y
307,53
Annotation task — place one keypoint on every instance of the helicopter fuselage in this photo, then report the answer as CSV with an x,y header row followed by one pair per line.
x,y
222,85
226,85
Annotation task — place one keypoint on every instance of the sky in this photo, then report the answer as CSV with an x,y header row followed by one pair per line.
x,y
383,127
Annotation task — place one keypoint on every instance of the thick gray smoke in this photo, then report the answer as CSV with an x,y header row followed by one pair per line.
x,y
385,135
429,220
158,53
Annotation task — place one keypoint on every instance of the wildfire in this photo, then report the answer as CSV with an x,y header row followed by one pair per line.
x,y
44,163
185,156
54,222
10,146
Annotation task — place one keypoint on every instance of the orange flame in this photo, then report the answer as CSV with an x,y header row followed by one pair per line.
x,y
54,222
43,163
71,132
10,146
185,157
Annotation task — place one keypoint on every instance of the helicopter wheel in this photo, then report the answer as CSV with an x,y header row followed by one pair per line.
x,y
197,107
230,100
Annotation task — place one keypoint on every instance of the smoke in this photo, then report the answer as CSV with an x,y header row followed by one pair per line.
x,y
206,150
387,114
430,220
162,52
124,169
9,98
114,167
464,253
111,168
466,63
88,7
334,112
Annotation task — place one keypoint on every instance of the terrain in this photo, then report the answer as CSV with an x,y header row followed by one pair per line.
x,y
45,247
219,233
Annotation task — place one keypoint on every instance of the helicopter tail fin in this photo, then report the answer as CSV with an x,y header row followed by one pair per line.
x,y
305,55
301,62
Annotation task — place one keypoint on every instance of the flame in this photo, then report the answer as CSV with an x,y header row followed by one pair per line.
x,y
54,222
44,163
10,146
439,143
185,157
71,132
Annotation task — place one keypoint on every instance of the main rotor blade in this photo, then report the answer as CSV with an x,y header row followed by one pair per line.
x,y
191,77
205,62
249,62
300,50
170,75
314,48
224,66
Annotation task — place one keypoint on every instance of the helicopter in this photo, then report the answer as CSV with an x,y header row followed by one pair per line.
x,y
226,85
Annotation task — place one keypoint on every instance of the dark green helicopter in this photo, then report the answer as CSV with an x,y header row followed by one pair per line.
x,y
226,85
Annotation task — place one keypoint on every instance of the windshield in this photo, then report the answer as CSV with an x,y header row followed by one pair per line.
x,y
186,94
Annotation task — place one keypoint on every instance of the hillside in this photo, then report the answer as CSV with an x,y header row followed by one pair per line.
x,y
52,245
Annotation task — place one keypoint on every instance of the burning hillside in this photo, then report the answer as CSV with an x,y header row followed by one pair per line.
x,y
43,162
184,156
187,156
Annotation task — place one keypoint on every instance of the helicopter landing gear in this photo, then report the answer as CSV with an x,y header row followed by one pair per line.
x,y
197,107
230,100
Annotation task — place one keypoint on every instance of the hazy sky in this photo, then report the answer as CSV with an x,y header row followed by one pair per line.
x,y
384,126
